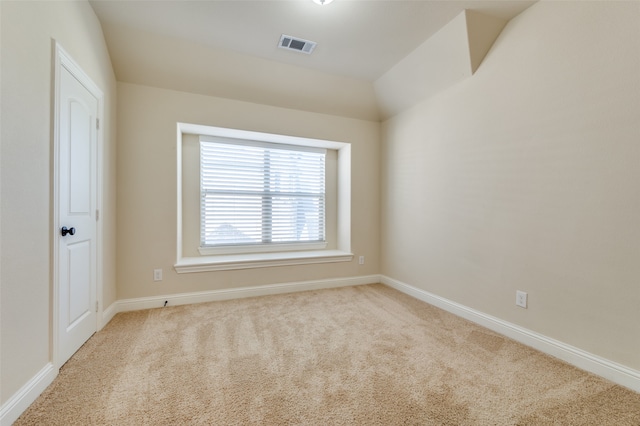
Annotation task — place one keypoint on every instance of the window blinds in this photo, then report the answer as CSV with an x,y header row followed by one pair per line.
x,y
255,193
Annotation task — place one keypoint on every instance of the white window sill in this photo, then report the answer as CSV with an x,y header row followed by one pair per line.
x,y
259,260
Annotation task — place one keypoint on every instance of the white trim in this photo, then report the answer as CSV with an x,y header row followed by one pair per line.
x,y
238,293
109,313
100,208
62,59
343,226
595,364
344,198
179,129
259,260
222,132
21,400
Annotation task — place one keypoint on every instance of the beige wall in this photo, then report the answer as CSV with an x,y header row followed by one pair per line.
x,y
26,70
147,181
525,176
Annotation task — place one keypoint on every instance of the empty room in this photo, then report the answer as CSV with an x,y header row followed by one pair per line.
x,y
306,212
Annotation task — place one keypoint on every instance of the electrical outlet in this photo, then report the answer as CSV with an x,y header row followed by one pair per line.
x,y
361,260
157,274
521,299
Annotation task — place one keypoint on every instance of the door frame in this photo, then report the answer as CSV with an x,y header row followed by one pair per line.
x,y
62,59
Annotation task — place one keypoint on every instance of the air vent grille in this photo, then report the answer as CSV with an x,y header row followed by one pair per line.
x,y
296,44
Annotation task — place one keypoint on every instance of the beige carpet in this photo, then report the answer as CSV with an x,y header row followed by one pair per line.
x,y
365,355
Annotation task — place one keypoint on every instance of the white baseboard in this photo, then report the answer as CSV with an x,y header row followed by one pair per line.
x,y
21,400
109,313
232,293
610,370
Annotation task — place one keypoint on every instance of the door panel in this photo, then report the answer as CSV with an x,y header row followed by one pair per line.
x,y
79,274
77,201
80,161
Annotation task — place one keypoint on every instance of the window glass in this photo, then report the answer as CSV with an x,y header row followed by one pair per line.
x,y
256,193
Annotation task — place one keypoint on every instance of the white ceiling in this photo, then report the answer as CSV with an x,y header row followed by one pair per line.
x,y
361,39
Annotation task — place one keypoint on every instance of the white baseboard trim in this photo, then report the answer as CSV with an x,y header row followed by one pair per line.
x,y
610,370
232,293
21,400
109,313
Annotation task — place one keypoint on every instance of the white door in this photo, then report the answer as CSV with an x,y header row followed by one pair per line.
x,y
77,199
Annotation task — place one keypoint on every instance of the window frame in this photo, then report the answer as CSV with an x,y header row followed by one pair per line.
x,y
230,260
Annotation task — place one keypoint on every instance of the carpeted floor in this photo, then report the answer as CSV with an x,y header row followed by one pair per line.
x,y
365,355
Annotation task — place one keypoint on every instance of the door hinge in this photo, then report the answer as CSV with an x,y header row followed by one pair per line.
x,y
97,124
96,306
97,214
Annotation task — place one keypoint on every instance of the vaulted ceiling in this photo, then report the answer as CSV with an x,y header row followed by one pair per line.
x,y
229,48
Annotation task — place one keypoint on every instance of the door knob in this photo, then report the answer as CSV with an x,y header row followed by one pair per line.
x,y
64,231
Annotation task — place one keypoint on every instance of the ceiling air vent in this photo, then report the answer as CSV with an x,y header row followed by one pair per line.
x,y
296,44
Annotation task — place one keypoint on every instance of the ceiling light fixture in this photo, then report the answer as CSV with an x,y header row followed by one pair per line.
x,y
322,2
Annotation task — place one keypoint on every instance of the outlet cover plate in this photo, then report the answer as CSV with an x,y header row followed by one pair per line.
x,y
521,299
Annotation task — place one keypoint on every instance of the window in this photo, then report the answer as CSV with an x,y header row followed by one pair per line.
x,y
288,208
257,196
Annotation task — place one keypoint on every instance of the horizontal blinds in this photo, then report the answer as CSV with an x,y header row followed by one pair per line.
x,y
261,194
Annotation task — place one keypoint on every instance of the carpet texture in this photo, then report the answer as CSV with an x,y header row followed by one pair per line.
x,y
365,355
